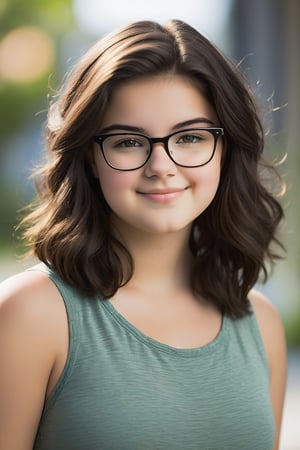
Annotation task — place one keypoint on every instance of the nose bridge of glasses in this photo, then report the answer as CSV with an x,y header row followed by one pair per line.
x,y
160,140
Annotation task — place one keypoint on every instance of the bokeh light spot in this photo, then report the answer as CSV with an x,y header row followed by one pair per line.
x,y
26,54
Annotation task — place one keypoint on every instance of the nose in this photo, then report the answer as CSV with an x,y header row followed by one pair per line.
x,y
160,163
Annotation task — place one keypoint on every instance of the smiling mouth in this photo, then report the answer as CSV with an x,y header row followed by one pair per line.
x,y
164,195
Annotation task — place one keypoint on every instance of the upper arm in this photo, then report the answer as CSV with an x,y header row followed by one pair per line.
x,y
273,337
27,355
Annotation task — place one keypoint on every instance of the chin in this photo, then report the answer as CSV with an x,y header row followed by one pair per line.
x,y
166,228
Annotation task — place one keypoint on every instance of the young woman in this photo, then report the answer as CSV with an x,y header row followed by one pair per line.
x,y
139,329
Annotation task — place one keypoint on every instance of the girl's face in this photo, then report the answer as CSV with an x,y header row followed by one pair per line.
x,y
160,197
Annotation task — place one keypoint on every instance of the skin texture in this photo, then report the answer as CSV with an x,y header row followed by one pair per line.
x,y
33,322
156,106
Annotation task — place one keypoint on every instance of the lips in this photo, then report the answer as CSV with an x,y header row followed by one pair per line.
x,y
163,195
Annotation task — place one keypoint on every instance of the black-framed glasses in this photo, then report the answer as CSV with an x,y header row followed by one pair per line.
x,y
192,147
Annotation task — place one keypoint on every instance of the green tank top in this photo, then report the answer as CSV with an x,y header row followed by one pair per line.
x,y
121,390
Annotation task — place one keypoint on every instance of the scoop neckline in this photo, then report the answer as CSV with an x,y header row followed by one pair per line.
x,y
214,344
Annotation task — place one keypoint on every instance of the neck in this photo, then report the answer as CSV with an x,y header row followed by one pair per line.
x,y
161,261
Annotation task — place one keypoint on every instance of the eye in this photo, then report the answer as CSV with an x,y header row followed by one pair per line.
x,y
190,138
128,143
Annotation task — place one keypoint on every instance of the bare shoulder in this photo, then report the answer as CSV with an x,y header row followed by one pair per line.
x,y
29,306
271,328
30,294
267,316
273,336
32,327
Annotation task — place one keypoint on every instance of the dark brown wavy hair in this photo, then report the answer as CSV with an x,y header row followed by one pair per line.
x,y
69,228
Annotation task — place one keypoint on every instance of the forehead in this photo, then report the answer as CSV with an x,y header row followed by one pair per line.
x,y
157,103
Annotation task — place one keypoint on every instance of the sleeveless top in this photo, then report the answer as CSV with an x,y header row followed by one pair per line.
x,y
122,390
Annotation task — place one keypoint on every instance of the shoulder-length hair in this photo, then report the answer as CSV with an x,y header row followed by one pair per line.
x,y
70,227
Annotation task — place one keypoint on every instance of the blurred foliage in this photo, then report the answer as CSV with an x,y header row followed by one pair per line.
x,y
54,17
292,329
18,101
8,216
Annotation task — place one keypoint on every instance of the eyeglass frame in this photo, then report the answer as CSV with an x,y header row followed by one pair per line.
x,y
215,131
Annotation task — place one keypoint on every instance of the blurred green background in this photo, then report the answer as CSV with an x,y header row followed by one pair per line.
x,y
41,40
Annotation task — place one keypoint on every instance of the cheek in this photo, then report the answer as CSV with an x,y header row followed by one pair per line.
x,y
206,179
110,179
114,183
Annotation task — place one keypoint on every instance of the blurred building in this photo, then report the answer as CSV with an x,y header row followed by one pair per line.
x,y
265,36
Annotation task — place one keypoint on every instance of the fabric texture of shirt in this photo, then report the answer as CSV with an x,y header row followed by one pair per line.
x,y
122,390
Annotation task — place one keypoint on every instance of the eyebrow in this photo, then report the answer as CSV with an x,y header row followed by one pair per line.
x,y
124,127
